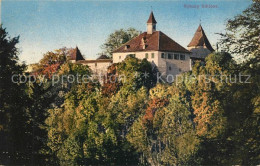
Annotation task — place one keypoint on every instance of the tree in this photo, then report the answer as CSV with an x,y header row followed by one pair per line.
x,y
130,74
64,121
242,36
135,73
13,116
223,103
165,134
51,62
242,41
117,38
91,126
183,125
111,83
38,104
50,95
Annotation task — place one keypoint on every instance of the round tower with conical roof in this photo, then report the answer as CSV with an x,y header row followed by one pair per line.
x,y
200,45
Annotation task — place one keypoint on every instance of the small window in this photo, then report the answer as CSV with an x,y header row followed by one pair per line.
x,y
127,46
131,55
162,55
152,55
154,26
146,55
182,57
170,68
176,56
119,57
170,56
96,64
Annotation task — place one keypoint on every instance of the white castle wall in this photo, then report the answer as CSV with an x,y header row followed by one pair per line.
x,y
119,57
165,66
172,66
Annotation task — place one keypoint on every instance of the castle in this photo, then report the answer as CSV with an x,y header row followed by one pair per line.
x,y
168,56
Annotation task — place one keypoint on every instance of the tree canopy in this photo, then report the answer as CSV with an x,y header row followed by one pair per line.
x,y
242,35
117,38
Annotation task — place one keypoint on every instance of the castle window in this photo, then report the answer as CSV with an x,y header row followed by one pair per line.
x,y
119,57
176,56
162,55
170,56
182,57
170,68
146,55
152,55
131,55
96,64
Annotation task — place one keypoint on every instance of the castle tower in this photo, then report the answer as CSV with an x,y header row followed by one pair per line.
x,y
151,24
75,55
200,45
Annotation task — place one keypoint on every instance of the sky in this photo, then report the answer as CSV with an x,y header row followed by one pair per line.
x,y
48,25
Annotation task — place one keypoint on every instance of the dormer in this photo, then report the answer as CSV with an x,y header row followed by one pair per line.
x,y
143,42
127,47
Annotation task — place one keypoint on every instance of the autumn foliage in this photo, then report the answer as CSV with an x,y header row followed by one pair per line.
x,y
152,107
111,83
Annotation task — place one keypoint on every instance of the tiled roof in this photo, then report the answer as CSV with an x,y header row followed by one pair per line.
x,y
75,54
167,44
157,41
200,39
103,57
151,19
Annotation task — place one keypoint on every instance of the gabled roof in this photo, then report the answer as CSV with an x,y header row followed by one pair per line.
x,y
103,57
151,19
200,39
157,41
75,54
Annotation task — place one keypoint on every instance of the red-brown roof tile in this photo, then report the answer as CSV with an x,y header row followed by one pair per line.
x,y
151,19
157,41
75,54
200,39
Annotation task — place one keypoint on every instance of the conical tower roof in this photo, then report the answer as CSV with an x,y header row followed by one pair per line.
x,y
200,39
75,54
151,19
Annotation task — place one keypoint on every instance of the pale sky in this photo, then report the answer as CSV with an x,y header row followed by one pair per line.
x,y
48,25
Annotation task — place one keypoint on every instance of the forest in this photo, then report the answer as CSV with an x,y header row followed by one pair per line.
x,y
138,121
